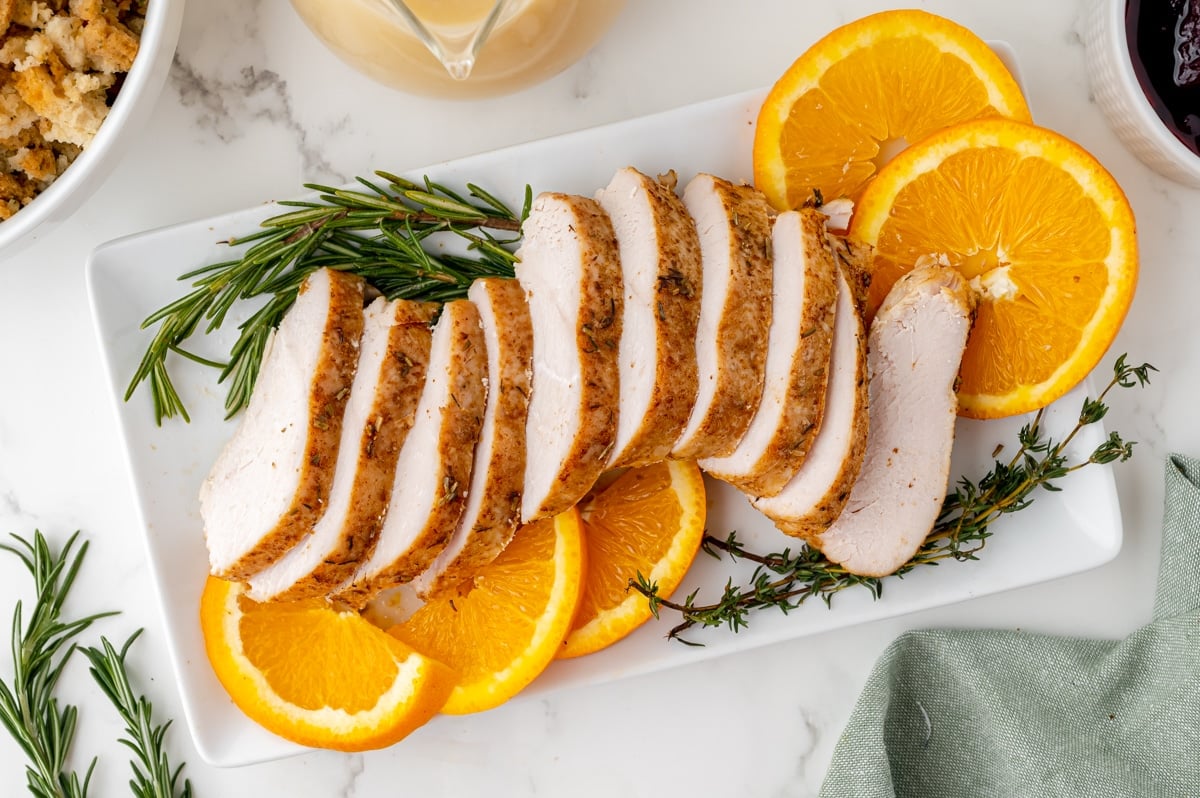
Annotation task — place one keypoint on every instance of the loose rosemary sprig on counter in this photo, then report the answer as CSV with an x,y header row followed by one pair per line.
x,y
386,234
784,580
153,776
41,650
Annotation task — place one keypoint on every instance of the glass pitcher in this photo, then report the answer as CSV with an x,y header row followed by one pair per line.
x,y
459,48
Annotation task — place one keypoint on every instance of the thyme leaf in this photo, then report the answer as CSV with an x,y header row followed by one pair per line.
x,y
784,580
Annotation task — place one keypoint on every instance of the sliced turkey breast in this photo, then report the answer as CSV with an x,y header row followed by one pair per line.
x,y
269,484
815,496
661,275
804,287
734,227
493,504
392,359
915,347
569,267
433,471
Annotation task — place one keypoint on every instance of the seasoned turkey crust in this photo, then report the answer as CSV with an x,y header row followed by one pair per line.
x,y
296,487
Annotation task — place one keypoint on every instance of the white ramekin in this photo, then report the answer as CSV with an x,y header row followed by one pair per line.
x,y
129,112
1122,100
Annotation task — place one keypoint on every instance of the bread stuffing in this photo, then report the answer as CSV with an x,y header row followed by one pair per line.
x,y
61,64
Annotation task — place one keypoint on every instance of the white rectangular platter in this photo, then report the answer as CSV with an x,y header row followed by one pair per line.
x,y
1062,533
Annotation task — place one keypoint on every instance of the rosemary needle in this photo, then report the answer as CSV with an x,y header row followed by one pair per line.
x,y
388,234
784,580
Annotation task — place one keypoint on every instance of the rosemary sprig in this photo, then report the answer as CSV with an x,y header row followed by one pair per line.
x,y
387,234
153,776
40,652
784,580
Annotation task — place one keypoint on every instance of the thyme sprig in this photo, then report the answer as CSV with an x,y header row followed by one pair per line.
x,y
389,234
784,580
41,649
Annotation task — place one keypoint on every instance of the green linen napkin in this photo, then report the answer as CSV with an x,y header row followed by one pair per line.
x,y
978,713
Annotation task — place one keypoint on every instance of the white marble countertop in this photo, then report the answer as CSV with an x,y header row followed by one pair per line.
x,y
254,107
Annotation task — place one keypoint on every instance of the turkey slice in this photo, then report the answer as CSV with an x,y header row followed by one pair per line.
x,y
734,228
269,484
815,496
392,359
661,274
915,347
493,506
804,287
433,471
570,270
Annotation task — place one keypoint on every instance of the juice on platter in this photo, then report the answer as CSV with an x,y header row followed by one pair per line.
x,y
459,48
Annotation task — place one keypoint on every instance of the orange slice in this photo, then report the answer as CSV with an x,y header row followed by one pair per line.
x,y
864,92
506,628
1044,233
649,521
285,665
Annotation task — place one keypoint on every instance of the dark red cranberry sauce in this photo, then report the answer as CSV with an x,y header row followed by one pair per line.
x,y
1164,44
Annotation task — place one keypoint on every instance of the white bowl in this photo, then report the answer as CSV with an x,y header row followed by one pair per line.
x,y
129,111
1124,103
